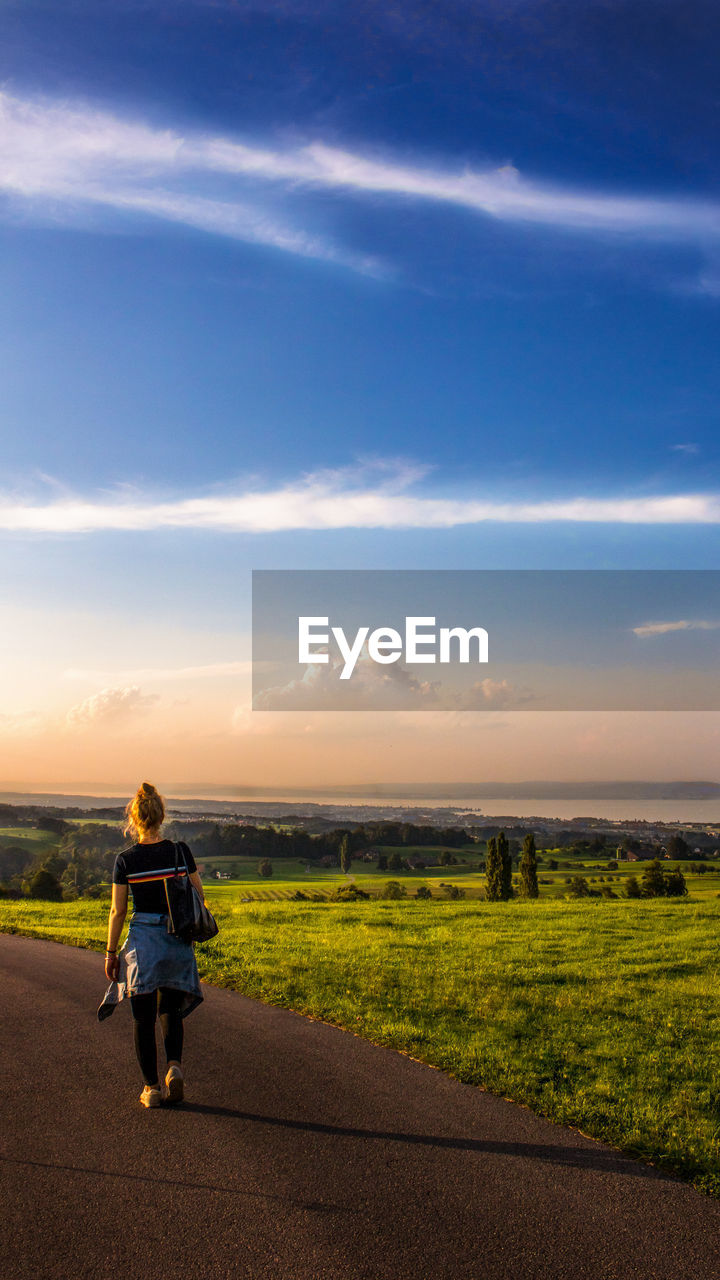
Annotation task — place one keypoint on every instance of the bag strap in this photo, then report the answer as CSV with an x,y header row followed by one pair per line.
x,y
181,845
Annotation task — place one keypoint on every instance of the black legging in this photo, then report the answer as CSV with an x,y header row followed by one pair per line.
x,y
166,1003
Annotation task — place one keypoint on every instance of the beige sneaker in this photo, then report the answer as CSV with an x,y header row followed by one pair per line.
x,y
175,1084
151,1095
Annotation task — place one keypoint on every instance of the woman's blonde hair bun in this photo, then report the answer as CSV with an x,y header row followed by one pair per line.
x,y
145,812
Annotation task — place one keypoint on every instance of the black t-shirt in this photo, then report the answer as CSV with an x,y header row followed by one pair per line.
x,y
145,868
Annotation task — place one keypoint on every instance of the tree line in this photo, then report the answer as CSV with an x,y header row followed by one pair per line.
x,y
77,866
235,840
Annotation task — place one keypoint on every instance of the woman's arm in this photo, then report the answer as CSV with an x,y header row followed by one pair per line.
x,y
197,883
116,920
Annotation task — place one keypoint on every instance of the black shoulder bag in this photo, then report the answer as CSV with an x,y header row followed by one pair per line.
x,y
188,917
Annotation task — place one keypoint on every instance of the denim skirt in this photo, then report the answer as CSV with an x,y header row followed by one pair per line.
x,y
151,958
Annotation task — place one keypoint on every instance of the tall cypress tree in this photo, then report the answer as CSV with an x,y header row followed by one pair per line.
x,y
506,888
528,867
345,854
493,871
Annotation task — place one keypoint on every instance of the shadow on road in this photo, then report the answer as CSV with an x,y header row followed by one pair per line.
x,y
608,1160
179,1182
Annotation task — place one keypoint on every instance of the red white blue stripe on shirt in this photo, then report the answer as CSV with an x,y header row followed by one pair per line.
x,y
142,877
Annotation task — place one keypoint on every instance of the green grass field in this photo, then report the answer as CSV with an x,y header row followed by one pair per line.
x,y
35,839
600,1014
289,875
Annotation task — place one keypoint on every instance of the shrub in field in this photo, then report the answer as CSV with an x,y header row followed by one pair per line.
x,y
349,893
675,886
607,891
393,889
632,888
265,867
452,891
579,887
659,883
45,885
423,891
653,884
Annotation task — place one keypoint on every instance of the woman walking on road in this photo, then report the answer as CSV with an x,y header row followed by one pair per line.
x,y
155,969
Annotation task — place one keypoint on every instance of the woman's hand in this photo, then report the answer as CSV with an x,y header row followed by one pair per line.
x,y
118,911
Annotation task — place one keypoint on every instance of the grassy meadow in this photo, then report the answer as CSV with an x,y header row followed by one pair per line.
x,y
289,876
602,1014
35,837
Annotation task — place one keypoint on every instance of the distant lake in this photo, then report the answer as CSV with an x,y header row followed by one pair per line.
x,y
657,810
693,809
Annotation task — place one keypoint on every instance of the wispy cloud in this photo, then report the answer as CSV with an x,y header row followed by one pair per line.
x,y
341,499
664,628
23,723
60,159
500,192
685,448
60,156
496,694
138,675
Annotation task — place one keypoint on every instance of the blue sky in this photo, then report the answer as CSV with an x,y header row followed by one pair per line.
x,y
316,285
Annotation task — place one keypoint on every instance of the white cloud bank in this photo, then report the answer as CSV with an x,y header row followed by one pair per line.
x,y
380,689
373,688
110,706
341,499
683,624
63,157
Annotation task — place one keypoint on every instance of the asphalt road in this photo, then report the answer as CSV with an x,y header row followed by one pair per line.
x,y
301,1153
